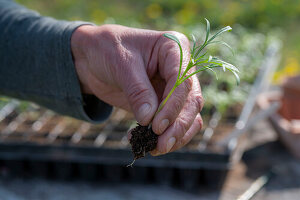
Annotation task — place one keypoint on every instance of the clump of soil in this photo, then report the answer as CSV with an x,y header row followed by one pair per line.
x,y
143,140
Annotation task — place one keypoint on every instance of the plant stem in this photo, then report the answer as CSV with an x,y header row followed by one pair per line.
x,y
166,99
178,82
197,71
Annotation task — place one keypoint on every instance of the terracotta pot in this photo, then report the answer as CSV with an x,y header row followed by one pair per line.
x,y
290,99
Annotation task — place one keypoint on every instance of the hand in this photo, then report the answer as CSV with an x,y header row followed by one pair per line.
x,y
134,69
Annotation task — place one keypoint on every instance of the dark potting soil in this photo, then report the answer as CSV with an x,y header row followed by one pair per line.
x,y
143,140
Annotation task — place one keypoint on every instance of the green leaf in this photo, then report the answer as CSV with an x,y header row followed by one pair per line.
x,y
200,61
227,28
202,56
225,44
207,30
225,64
200,48
203,68
210,69
172,37
231,68
193,38
236,77
209,59
194,45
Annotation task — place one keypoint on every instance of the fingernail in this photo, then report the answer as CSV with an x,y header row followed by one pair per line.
x,y
155,153
163,125
170,143
144,111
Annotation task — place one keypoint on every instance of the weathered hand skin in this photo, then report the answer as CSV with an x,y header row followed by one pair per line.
x,y
135,69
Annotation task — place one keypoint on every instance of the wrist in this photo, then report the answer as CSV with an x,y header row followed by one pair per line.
x,y
80,42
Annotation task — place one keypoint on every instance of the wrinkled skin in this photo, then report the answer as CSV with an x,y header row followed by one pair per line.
x,y
134,69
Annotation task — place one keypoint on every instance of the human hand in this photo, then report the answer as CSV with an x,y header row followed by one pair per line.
x,y
135,69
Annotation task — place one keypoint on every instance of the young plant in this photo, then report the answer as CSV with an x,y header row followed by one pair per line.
x,y
199,59
143,138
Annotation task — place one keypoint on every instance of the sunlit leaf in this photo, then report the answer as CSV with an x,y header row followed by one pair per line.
x,y
207,29
210,69
225,29
194,45
226,64
236,77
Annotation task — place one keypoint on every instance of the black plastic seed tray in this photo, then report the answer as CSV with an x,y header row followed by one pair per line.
x,y
37,142
186,170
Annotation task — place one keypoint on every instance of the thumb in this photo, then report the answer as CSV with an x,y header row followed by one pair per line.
x,y
140,93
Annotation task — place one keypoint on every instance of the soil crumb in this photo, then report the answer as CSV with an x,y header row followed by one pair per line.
x,y
143,140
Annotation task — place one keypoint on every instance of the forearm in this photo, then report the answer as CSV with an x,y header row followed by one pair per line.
x,y
36,62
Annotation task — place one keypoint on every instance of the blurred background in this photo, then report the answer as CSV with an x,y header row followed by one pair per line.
x,y
258,16
255,24
266,44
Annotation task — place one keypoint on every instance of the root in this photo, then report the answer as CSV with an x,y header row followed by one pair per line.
x,y
131,164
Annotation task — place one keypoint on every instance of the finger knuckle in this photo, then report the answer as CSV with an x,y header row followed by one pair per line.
x,y
136,92
198,101
188,84
126,58
173,111
185,140
176,106
108,34
182,126
121,63
116,52
171,49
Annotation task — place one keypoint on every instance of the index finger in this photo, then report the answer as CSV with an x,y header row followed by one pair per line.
x,y
169,64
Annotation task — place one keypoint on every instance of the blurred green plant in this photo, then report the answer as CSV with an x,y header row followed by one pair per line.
x,y
3,101
250,13
261,15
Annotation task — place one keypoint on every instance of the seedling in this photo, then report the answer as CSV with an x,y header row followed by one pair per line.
x,y
199,60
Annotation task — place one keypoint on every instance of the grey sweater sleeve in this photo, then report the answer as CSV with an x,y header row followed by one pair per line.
x,y
36,63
